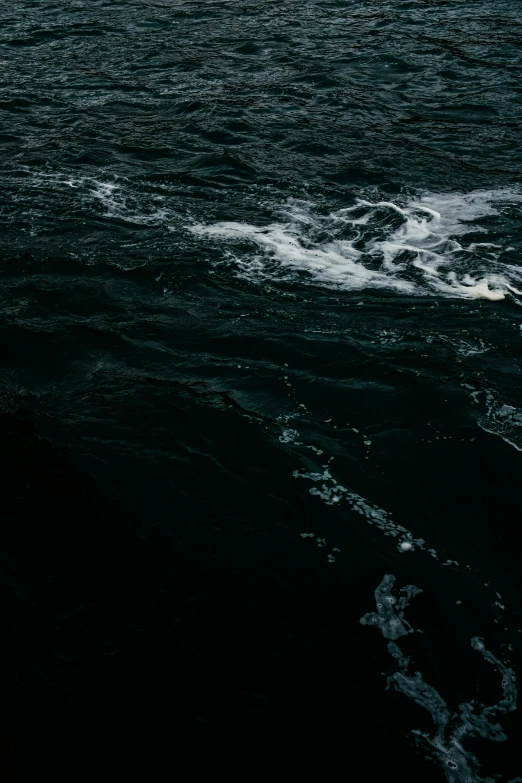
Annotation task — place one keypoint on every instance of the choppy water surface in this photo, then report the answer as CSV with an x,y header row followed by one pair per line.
x,y
261,324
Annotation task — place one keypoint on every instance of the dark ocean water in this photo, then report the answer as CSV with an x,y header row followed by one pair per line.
x,y
261,327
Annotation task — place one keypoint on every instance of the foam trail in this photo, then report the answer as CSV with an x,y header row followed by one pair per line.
x,y
445,745
423,246
115,196
332,493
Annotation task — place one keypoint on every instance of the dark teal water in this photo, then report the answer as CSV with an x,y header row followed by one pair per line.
x,y
260,336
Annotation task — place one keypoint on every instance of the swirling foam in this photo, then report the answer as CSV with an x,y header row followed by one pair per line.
x,y
425,245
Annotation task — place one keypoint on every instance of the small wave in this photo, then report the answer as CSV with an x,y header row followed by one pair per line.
x,y
427,245
496,417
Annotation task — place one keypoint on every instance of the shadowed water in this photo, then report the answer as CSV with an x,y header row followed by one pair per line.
x,y
261,322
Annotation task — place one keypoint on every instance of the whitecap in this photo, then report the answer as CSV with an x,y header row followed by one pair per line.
x,y
426,245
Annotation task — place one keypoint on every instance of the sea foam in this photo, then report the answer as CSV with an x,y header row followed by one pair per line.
x,y
424,245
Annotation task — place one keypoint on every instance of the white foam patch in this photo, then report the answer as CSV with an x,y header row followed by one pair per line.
x,y
422,246
474,719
